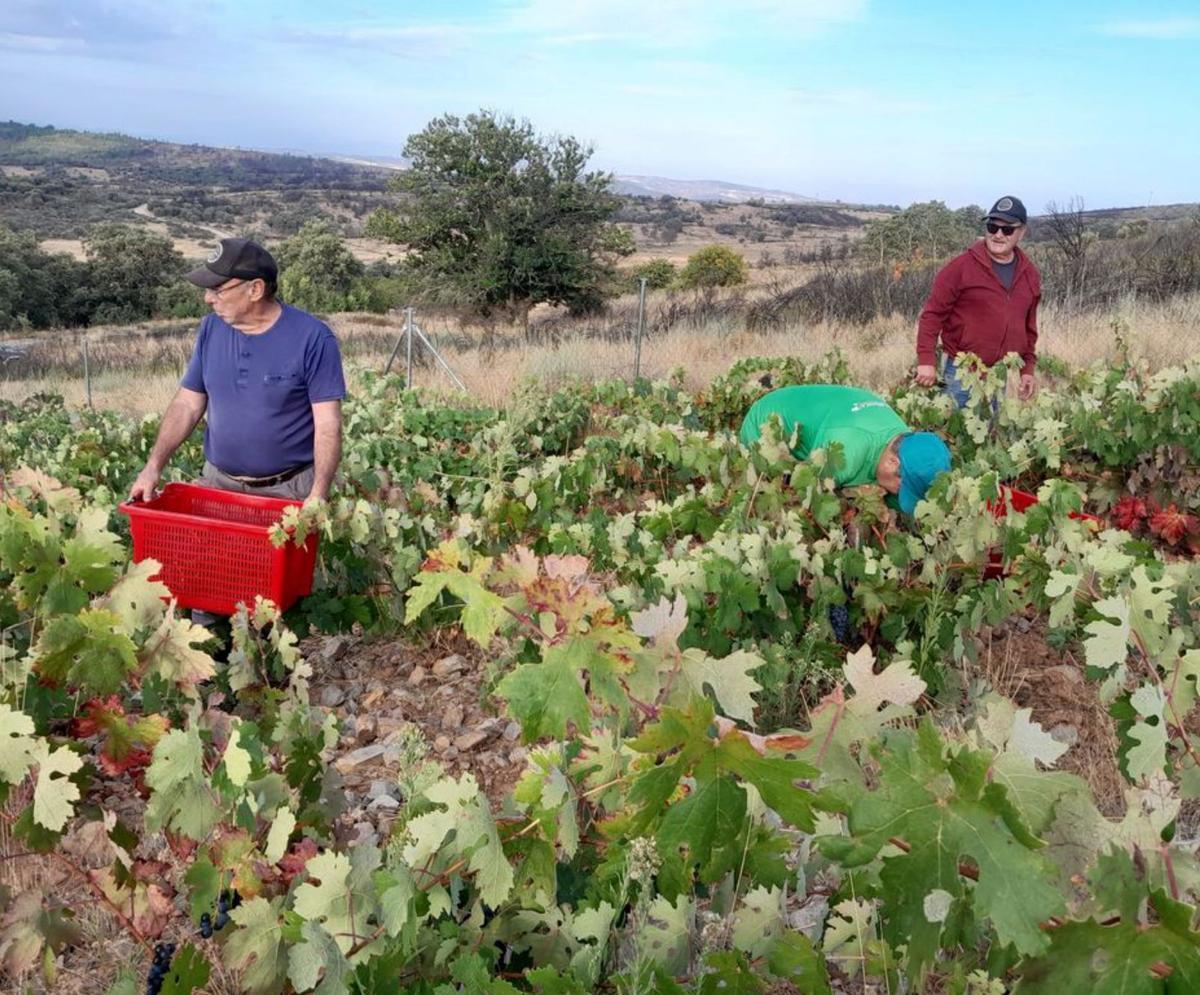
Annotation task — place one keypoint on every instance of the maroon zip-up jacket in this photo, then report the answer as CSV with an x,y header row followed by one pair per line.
x,y
972,312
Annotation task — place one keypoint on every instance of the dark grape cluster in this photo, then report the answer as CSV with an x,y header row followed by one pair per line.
x,y
839,622
227,901
163,953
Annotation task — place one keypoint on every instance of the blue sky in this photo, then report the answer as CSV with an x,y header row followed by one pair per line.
x,y
861,100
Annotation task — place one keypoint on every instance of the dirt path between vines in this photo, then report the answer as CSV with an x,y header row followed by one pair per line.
x,y
1019,663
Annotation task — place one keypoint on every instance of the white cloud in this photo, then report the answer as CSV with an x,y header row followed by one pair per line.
x,y
395,39
674,23
1162,29
39,43
855,101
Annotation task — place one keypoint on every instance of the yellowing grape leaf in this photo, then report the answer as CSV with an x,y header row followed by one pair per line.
x,y
758,920
171,653
277,838
16,744
1107,645
839,723
327,901
54,794
729,678
237,759
465,814
662,623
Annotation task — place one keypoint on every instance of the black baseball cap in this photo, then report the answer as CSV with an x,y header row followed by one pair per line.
x,y
235,259
1008,209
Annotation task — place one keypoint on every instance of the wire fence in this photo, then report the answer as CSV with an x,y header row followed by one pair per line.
x,y
165,348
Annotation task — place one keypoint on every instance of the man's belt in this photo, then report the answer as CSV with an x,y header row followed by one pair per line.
x,y
277,478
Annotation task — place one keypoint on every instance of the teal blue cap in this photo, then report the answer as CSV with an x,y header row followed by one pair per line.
x,y
923,456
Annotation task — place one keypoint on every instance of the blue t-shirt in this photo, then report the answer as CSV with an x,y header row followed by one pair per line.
x,y
261,389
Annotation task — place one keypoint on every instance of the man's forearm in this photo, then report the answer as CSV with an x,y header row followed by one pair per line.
x,y
327,453
177,425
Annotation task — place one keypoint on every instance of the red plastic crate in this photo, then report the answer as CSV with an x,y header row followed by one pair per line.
x,y
1012,499
214,548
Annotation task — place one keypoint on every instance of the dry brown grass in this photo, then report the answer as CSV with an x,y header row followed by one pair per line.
x,y
136,371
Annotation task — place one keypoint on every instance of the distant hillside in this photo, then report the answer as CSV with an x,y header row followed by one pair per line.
x,y
59,183
703,191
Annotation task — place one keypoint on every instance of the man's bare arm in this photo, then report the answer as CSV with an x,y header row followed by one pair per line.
x,y
327,446
183,414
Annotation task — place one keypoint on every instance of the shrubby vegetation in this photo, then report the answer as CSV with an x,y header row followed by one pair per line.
x,y
714,266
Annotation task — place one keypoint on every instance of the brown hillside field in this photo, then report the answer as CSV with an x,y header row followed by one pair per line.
x,y
136,370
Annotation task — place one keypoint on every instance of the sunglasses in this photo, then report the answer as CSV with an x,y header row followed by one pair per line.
x,y
993,227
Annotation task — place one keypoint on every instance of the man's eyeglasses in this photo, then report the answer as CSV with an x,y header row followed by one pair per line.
x,y
218,291
993,227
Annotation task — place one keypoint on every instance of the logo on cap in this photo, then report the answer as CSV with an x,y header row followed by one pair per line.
x,y
1004,204
216,253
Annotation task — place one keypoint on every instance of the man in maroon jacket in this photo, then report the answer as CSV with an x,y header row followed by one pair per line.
x,y
983,302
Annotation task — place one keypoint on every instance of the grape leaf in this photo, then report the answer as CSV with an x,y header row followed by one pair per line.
x,y
256,948
87,651
136,599
237,762
395,900
54,794
714,811
1107,645
847,935
17,744
1127,958
281,831
181,797
662,623
663,936
171,654
793,959
204,886
840,724
758,921
544,697
318,957
189,970
1149,735
942,807
729,679
465,813
27,927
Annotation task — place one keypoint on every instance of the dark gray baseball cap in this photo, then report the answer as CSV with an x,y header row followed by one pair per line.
x,y
1008,209
235,259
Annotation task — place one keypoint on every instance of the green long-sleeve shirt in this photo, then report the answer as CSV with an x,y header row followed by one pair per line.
x,y
861,421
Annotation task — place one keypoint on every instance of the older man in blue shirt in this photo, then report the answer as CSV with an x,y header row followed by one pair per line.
x,y
268,375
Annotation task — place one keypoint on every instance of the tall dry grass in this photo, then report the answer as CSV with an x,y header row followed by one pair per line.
x,y
136,372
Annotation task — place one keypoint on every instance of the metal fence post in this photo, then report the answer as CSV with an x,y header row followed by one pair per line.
x,y
87,371
408,335
641,327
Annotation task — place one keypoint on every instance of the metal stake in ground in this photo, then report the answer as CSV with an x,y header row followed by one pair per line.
x,y
87,371
641,327
396,349
408,330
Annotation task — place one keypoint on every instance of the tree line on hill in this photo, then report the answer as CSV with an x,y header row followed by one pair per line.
x,y
495,219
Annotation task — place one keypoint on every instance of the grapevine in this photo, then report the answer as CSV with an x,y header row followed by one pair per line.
x,y
652,593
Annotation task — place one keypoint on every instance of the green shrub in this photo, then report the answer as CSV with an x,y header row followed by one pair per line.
x,y
714,266
658,274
